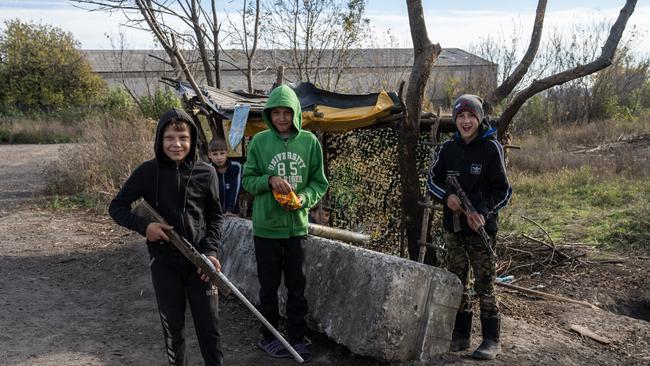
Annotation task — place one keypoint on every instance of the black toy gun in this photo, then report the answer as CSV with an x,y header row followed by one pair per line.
x,y
218,279
468,209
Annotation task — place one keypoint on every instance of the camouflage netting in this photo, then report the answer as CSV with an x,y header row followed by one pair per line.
x,y
365,183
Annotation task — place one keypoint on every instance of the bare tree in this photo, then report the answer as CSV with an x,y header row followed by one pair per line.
x,y
421,66
155,15
317,40
247,38
604,60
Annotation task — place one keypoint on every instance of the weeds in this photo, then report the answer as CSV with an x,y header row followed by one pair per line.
x,y
93,171
32,131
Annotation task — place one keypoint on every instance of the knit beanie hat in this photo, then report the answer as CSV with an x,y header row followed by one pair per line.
x,y
470,103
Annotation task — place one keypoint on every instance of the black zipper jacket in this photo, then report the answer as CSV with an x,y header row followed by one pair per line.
x,y
480,169
230,186
187,195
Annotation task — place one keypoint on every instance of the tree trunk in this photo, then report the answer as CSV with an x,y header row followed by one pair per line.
x,y
425,54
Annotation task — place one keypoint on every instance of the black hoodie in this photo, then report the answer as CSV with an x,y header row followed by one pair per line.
x,y
187,195
481,172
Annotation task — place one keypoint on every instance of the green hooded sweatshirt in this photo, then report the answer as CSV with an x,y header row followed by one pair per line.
x,y
298,159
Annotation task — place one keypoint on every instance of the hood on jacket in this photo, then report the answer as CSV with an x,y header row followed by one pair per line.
x,y
283,96
165,119
485,131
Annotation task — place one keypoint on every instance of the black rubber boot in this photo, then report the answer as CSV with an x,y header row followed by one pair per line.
x,y
460,338
490,347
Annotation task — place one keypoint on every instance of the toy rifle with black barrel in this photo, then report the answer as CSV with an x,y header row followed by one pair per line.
x,y
468,209
218,279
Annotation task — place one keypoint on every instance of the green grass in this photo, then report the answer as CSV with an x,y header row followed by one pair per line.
x,y
580,205
75,201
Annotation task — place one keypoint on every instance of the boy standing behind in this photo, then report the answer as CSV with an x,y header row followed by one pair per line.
x,y
283,159
476,159
184,192
229,174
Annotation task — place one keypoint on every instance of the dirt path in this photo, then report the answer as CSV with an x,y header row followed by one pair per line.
x,y
75,290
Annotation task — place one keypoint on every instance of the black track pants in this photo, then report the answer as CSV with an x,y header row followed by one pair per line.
x,y
275,257
175,281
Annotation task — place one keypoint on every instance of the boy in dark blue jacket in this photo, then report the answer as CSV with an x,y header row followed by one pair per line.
x,y
229,174
476,159
184,191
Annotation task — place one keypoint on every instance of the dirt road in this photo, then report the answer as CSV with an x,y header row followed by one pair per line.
x,y
75,290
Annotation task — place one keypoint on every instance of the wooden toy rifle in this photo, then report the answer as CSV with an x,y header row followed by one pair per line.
x,y
468,209
218,279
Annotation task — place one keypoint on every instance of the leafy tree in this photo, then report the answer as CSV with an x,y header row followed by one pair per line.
x,y
41,70
153,106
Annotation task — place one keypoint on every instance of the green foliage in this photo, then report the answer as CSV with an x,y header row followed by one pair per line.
x,y
153,106
42,70
537,116
75,201
118,101
451,88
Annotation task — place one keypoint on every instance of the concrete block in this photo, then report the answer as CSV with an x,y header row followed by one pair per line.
x,y
375,304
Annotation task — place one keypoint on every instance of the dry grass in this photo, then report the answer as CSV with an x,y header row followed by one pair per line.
x,y
31,131
568,148
113,148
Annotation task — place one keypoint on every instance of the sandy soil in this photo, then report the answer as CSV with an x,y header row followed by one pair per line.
x,y
75,290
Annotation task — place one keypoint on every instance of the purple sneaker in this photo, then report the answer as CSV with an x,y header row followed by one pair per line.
x,y
273,348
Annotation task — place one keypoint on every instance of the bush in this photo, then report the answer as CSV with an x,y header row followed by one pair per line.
x,y
43,71
118,101
96,169
153,106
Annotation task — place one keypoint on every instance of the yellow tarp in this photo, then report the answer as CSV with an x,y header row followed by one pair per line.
x,y
332,119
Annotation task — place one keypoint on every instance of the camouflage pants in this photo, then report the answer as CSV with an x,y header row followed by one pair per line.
x,y
469,252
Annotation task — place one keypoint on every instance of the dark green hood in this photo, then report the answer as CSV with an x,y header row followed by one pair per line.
x,y
283,96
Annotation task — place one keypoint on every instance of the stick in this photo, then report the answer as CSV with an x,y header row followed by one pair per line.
x,y
552,247
259,316
539,226
586,332
546,295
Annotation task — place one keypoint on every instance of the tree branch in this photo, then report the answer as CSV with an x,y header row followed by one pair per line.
x,y
511,81
604,60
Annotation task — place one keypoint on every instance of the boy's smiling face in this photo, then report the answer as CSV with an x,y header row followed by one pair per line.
x,y
176,144
467,125
282,119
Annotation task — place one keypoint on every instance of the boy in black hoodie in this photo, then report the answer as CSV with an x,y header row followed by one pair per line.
x,y
476,159
184,191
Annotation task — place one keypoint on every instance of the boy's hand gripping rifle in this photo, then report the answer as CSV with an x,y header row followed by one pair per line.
x,y
218,279
468,209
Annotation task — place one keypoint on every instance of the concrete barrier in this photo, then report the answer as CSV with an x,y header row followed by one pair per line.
x,y
375,304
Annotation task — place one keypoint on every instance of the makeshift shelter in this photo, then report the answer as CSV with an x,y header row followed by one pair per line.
x,y
323,110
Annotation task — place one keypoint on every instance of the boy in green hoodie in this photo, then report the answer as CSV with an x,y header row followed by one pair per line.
x,y
283,159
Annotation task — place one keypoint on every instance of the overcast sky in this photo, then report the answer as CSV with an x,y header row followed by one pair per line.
x,y
447,23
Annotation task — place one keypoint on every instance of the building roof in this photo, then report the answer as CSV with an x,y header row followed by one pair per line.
x,y
107,61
